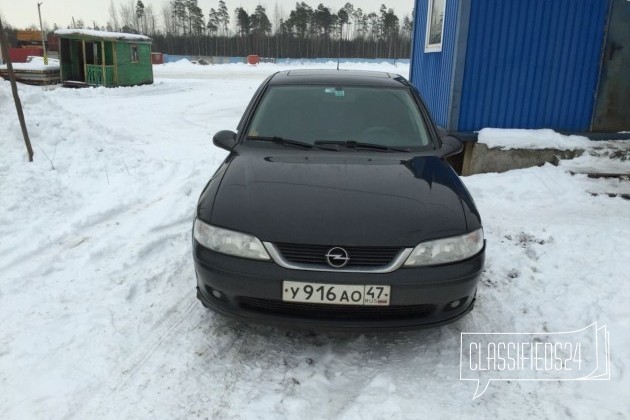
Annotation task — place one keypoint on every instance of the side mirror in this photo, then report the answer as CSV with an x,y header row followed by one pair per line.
x,y
441,131
225,139
450,146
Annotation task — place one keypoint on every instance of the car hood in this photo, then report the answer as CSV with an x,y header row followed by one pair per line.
x,y
338,198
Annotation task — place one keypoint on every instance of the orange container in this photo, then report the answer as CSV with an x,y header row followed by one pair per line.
x,y
29,36
253,59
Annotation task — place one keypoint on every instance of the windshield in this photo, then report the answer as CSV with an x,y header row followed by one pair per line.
x,y
310,114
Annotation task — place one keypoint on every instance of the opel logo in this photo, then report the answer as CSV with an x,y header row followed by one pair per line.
x,y
337,257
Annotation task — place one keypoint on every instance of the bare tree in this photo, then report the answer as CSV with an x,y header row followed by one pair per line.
x,y
113,16
168,21
127,13
278,15
150,21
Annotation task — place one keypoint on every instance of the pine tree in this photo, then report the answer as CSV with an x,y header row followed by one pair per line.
x,y
140,16
224,17
242,21
195,15
259,22
178,8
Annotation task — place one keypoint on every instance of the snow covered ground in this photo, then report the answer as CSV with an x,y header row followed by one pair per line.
x,y
98,315
35,63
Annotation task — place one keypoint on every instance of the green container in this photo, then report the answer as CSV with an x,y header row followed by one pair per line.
x,y
95,58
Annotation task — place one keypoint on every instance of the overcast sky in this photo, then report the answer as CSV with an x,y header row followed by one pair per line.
x,y
23,13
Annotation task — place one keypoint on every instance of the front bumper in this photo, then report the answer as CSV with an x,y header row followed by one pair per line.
x,y
252,291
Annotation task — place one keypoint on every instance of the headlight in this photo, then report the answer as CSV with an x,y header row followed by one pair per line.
x,y
229,242
442,251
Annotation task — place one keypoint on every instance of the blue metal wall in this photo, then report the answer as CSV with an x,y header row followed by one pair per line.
x,y
531,63
432,72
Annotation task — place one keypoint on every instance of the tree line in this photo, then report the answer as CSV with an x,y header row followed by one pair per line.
x,y
181,27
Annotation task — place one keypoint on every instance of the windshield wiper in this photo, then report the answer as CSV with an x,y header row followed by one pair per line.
x,y
360,145
281,140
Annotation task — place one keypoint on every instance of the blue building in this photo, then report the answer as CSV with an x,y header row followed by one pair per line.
x,y
557,64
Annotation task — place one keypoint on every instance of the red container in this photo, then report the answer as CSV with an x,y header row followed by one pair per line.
x,y
157,58
19,55
253,59
52,42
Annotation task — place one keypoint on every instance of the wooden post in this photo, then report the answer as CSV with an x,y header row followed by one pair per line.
x,y
115,54
60,61
85,73
4,43
103,56
41,27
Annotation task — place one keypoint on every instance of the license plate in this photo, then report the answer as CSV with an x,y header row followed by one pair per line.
x,y
337,294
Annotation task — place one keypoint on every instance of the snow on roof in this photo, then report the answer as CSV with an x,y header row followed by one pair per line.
x,y
103,34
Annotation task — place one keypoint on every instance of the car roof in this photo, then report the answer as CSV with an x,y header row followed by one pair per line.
x,y
341,77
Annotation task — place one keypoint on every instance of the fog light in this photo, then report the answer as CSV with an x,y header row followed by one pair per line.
x,y
217,294
455,304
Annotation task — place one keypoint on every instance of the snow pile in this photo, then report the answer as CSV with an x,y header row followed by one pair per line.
x,y
184,62
98,315
35,63
530,139
35,60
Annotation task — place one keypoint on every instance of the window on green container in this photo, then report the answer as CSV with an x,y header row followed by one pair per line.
x,y
134,52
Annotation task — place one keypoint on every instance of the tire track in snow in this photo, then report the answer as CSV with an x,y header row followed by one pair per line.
x,y
232,375
137,360
46,125
87,224
248,361
130,367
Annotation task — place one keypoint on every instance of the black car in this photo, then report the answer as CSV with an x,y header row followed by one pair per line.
x,y
336,209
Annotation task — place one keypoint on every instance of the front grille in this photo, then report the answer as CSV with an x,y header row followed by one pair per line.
x,y
360,256
336,312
